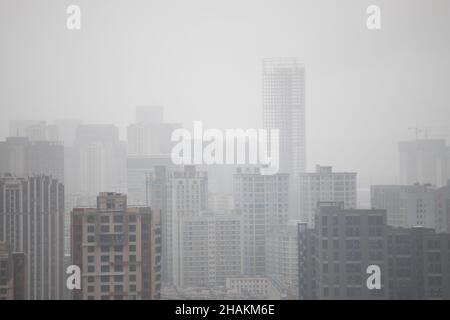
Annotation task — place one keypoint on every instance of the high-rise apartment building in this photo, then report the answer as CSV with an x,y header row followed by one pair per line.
x,y
211,249
263,201
325,185
32,222
346,243
179,193
98,160
282,257
284,109
424,161
419,264
118,249
138,168
334,257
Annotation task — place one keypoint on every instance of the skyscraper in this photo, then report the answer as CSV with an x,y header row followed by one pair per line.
x,y
31,221
118,249
284,109
179,193
263,201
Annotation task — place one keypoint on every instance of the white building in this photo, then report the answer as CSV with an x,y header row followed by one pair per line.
x,y
284,109
325,185
211,249
282,257
424,161
254,287
178,193
264,203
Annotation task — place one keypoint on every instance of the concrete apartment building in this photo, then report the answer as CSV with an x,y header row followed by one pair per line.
x,y
324,185
334,256
179,193
424,161
263,201
409,206
211,249
12,274
32,223
118,249
282,258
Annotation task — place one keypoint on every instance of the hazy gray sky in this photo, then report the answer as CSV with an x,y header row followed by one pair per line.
x,y
201,59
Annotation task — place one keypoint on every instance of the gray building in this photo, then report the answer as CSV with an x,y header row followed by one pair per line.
x,y
20,156
32,222
424,161
419,264
414,205
335,255
138,168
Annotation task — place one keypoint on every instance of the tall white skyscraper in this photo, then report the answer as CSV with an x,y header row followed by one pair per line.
x,y
284,109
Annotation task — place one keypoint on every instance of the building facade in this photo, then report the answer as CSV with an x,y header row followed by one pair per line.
x,y
325,185
263,201
118,249
211,249
179,193
32,222
414,205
